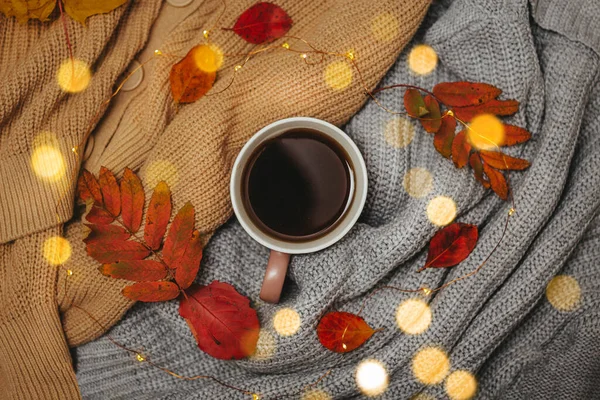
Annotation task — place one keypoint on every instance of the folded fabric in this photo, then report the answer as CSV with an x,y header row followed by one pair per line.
x,y
517,329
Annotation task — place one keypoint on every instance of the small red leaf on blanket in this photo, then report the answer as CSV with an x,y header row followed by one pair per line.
x,y
188,81
110,251
99,216
477,166
221,320
461,148
497,181
135,270
132,200
514,135
88,188
500,160
451,245
179,235
496,107
105,232
463,94
157,218
414,103
262,23
342,332
110,191
151,291
445,136
187,266
432,121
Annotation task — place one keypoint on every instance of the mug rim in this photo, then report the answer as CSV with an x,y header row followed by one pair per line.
x,y
348,220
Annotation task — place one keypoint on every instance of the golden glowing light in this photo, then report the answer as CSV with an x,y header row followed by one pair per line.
x,y
430,365
286,322
73,76
315,394
399,132
351,55
418,182
461,385
265,347
426,291
162,170
255,396
385,27
564,293
371,377
441,210
208,57
285,45
139,357
56,250
338,75
413,316
422,59
48,162
69,272
486,132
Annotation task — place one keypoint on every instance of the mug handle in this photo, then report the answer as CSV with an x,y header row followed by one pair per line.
x,y
274,276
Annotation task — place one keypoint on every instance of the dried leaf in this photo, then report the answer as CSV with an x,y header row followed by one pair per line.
x,y
461,148
135,270
477,166
187,266
179,235
502,161
188,81
80,10
151,291
88,188
414,103
463,94
110,191
132,200
497,181
157,218
433,120
262,23
496,107
105,232
110,251
451,245
445,136
99,215
514,135
342,332
221,320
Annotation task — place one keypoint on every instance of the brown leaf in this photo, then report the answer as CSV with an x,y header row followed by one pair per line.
x,y
414,103
187,266
110,191
188,81
445,136
132,200
500,160
451,245
151,291
463,94
477,166
432,121
461,148
497,181
157,218
514,135
135,270
262,23
342,332
105,232
99,215
88,187
110,251
179,234
496,107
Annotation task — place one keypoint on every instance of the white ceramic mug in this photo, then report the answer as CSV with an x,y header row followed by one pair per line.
x,y
281,249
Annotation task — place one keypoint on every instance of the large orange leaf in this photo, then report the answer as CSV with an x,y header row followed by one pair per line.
x,y
496,107
461,148
500,160
151,291
514,135
497,181
433,120
79,10
179,235
221,320
88,188
99,215
262,23
157,218
188,81
187,266
110,251
132,200
135,270
105,232
475,162
445,136
342,332
463,94
451,245
110,191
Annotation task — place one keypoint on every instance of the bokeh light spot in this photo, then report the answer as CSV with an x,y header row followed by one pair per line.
x,y
486,132
441,210
315,394
338,75
418,182
73,76
461,385
56,250
422,59
564,293
430,365
413,316
385,27
371,377
399,132
47,161
208,57
162,170
286,322
265,347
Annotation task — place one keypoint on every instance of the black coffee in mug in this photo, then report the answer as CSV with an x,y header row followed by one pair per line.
x,y
297,185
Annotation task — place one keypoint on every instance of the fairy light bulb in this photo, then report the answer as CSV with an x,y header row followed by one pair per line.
x,y
426,291
139,357
285,45
157,52
303,55
205,33
350,55
237,68
511,212
69,272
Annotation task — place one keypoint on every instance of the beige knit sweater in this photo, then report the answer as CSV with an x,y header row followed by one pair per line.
x,y
192,147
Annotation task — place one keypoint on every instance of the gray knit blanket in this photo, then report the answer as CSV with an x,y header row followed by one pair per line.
x,y
520,331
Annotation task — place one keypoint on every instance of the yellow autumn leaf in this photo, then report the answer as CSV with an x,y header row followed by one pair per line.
x,y
79,10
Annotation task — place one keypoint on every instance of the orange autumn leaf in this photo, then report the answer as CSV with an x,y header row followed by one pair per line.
x,y
414,103
514,135
187,266
132,200
79,10
110,191
475,162
463,94
105,232
451,245
151,291
502,161
88,187
433,120
188,81
461,148
135,270
445,136
262,23
113,250
342,332
179,235
496,107
98,215
157,218
497,181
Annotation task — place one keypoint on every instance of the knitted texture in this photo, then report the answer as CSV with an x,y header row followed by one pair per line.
x,y
506,325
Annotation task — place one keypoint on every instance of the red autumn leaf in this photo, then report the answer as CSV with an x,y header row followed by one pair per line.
x,y
110,251
477,166
262,23
135,270
88,187
514,135
105,232
157,218
110,191
500,160
221,320
414,103
432,121
451,245
461,148
497,181
179,235
187,266
445,136
496,107
463,94
151,291
99,215
188,81
132,200
342,332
